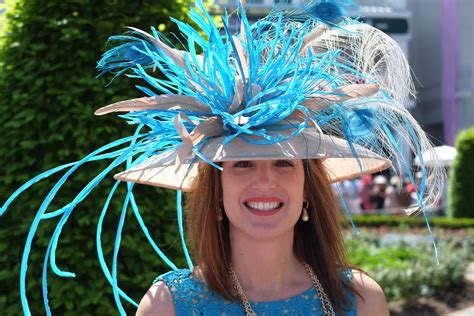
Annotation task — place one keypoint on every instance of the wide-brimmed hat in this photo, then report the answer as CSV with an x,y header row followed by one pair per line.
x,y
294,85
338,159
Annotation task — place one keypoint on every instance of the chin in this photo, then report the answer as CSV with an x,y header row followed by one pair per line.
x,y
265,231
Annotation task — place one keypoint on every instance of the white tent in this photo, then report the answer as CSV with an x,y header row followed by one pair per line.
x,y
443,156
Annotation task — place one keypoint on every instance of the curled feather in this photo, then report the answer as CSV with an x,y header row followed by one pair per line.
x,y
372,53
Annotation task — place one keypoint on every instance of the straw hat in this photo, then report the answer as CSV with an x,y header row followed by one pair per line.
x,y
294,85
326,92
160,170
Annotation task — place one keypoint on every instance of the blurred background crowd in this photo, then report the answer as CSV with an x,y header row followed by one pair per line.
x,y
380,194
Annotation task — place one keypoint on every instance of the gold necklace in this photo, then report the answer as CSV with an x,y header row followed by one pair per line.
x,y
325,303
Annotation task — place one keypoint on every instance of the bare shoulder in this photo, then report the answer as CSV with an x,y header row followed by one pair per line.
x,y
157,301
373,300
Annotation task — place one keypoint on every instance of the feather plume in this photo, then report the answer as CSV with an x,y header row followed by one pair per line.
x,y
166,102
373,53
312,36
177,56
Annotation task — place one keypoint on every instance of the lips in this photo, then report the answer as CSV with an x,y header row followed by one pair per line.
x,y
263,206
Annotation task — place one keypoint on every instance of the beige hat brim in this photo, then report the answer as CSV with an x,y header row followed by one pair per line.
x,y
339,161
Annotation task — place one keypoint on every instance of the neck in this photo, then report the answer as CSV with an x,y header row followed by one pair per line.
x,y
265,267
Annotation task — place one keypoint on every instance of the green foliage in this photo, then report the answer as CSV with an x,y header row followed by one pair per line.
x,y
408,270
461,197
404,221
48,94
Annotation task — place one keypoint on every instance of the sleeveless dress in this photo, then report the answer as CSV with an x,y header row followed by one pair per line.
x,y
193,297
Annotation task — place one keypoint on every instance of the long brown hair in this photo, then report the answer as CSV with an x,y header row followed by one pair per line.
x,y
318,242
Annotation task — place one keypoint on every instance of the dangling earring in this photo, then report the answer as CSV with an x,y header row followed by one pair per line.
x,y
304,213
219,214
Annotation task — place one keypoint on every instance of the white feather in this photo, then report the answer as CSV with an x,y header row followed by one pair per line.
x,y
374,54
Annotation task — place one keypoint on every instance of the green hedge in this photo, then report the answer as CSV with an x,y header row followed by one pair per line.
x,y
409,271
461,190
48,93
405,221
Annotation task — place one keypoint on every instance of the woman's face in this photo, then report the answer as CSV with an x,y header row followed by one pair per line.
x,y
263,198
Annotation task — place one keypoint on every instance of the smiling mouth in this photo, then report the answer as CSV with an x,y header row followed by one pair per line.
x,y
263,206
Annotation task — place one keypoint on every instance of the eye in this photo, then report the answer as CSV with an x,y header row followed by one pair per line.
x,y
243,164
284,163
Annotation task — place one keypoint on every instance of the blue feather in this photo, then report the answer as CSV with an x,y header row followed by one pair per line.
x,y
361,122
328,12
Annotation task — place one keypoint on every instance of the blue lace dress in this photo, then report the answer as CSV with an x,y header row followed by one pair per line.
x,y
192,297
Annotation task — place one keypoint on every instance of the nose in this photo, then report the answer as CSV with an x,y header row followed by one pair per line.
x,y
265,176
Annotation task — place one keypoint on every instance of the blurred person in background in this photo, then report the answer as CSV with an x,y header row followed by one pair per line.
x,y
366,193
396,196
350,194
378,192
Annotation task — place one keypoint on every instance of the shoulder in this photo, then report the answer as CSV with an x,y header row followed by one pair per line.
x,y
172,293
161,296
157,299
373,300
175,277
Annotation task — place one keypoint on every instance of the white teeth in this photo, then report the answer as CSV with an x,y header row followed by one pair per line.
x,y
263,206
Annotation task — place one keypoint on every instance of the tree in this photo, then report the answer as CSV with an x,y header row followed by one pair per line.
x,y
48,95
461,197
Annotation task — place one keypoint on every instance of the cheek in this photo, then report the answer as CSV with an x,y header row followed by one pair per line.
x,y
226,193
293,182
296,190
230,191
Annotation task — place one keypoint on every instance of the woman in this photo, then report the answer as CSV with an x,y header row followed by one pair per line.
x,y
256,128
264,235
